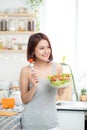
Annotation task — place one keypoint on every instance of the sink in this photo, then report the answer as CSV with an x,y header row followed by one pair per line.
x,y
71,105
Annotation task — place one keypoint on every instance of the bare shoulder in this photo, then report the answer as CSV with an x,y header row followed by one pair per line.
x,y
25,70
59,68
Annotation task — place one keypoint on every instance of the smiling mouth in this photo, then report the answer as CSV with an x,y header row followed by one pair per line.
x,y
46,56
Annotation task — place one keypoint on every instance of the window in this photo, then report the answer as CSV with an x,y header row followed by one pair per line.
x,y
60,25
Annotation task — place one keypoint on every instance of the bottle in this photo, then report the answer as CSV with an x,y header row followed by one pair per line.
x,y
0,24
14,44
31,25
3,24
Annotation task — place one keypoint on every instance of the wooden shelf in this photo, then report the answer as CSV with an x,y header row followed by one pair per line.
x,y
13,51
17,32
19,15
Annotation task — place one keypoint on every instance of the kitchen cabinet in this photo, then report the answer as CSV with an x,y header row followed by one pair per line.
x,y
72,115
71,120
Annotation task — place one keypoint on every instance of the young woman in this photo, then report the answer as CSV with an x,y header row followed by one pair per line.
x,y
38,96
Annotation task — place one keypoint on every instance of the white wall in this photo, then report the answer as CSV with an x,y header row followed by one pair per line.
x,y
11,63
11,3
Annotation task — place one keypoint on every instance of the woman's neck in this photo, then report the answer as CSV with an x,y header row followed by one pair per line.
x,y
39,64
44,69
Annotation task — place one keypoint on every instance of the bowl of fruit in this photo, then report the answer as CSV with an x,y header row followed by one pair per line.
x,y
60,81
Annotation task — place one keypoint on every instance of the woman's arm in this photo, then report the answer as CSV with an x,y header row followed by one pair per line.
x,y
27,92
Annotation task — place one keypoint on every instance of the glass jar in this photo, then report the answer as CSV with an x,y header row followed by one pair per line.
x,y
1,43
9,44
12,24
21,25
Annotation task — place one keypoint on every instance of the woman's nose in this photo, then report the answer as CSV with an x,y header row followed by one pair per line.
x,y
46,50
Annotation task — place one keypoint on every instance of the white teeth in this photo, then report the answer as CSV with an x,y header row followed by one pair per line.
x,y
45,55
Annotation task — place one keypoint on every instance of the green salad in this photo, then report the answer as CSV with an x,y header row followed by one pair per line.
x,y
60,80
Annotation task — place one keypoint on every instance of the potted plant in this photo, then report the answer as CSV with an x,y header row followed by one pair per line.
x,y
83,96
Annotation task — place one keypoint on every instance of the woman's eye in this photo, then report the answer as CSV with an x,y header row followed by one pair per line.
x,y
41,48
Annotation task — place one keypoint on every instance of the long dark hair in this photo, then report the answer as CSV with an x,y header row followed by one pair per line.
x,y
33,42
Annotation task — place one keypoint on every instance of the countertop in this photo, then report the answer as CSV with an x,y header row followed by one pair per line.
x,y
71,105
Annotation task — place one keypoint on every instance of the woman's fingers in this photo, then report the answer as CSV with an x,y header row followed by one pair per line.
x,y
35,76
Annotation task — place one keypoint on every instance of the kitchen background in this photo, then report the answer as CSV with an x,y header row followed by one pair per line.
x,y
65,22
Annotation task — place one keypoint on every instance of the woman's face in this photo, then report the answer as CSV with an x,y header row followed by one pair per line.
x,y
42,50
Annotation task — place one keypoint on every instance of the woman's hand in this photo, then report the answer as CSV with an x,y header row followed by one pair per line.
x,y
34,78
61,91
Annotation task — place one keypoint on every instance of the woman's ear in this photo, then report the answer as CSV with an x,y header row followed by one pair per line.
x,y
33,55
